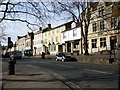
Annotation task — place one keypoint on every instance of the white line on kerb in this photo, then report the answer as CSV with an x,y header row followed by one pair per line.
x,y
98,71
63,78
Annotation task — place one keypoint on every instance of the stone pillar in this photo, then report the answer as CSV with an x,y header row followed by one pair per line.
x,y
118,47
56,48
108,42
80,47
66,47
63,47
72,44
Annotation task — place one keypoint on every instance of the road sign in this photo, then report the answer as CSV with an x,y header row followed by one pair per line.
x,y
10,44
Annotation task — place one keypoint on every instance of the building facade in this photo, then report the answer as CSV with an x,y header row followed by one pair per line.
x,y
70,39
103,29
25,42
37,43
21,43
52,38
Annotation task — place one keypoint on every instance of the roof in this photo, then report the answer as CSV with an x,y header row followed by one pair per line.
x,y
50,29
19,37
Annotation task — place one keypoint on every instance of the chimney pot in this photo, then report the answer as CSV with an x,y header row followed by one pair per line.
x,y
49,25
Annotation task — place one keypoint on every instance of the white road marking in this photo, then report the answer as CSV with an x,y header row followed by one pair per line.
x,y
44,62
98,71
64,66
33,66
68,83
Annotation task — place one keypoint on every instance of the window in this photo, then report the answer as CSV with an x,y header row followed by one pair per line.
x,y
94,43
114,23
57,31
45,41
101,11
49,33
64,35
101,25
74,32
52,32
52,39
102,42
94,27
57,39
46,34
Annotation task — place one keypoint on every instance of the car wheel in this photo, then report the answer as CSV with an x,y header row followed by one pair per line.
x,y
56,59
63,60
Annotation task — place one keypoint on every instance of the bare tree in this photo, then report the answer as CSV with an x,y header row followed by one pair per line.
x,y
30,12
80,11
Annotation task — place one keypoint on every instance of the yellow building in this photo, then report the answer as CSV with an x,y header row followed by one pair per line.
x,y
52,38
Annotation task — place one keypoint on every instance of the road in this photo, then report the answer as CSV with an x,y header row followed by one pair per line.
x,y
76,74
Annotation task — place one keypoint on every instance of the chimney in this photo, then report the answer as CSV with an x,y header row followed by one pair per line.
x,y
40,29
49,25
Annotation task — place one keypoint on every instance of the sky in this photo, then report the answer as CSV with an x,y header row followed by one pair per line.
x,y
14,29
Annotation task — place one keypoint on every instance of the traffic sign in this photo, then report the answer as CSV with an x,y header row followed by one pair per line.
x,y
10,44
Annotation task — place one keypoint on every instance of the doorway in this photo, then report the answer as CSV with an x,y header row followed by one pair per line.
x,y
113,41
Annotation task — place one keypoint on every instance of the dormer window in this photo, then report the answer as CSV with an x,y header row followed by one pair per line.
x,y
101,11
114,23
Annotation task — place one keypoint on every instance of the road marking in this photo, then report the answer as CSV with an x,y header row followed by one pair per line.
x,y
68,83
65,66
33,66
98,71
63,79
45,62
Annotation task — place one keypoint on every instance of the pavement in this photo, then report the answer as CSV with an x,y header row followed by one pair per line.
x,y
30,77
92,58
38,77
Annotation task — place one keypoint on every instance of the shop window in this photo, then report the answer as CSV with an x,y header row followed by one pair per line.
x,y
103,42
94,43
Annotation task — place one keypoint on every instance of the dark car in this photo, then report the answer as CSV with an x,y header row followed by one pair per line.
x,y
16,55
64,57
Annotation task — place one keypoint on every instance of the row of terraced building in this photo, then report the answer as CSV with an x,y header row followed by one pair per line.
x,y
103,34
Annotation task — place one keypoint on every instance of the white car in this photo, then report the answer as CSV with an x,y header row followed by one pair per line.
x,y
64,57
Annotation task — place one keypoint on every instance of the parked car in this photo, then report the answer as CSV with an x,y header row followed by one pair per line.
x,y
28,52
6,55
16,55
60,56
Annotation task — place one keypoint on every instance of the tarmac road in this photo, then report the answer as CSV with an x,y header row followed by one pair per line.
x,y
74,74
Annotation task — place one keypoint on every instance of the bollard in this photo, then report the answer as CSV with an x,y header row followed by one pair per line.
x,y
43,55
111,60
11,67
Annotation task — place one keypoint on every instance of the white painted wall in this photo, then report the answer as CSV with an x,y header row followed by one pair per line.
x,y
37,43
69,35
